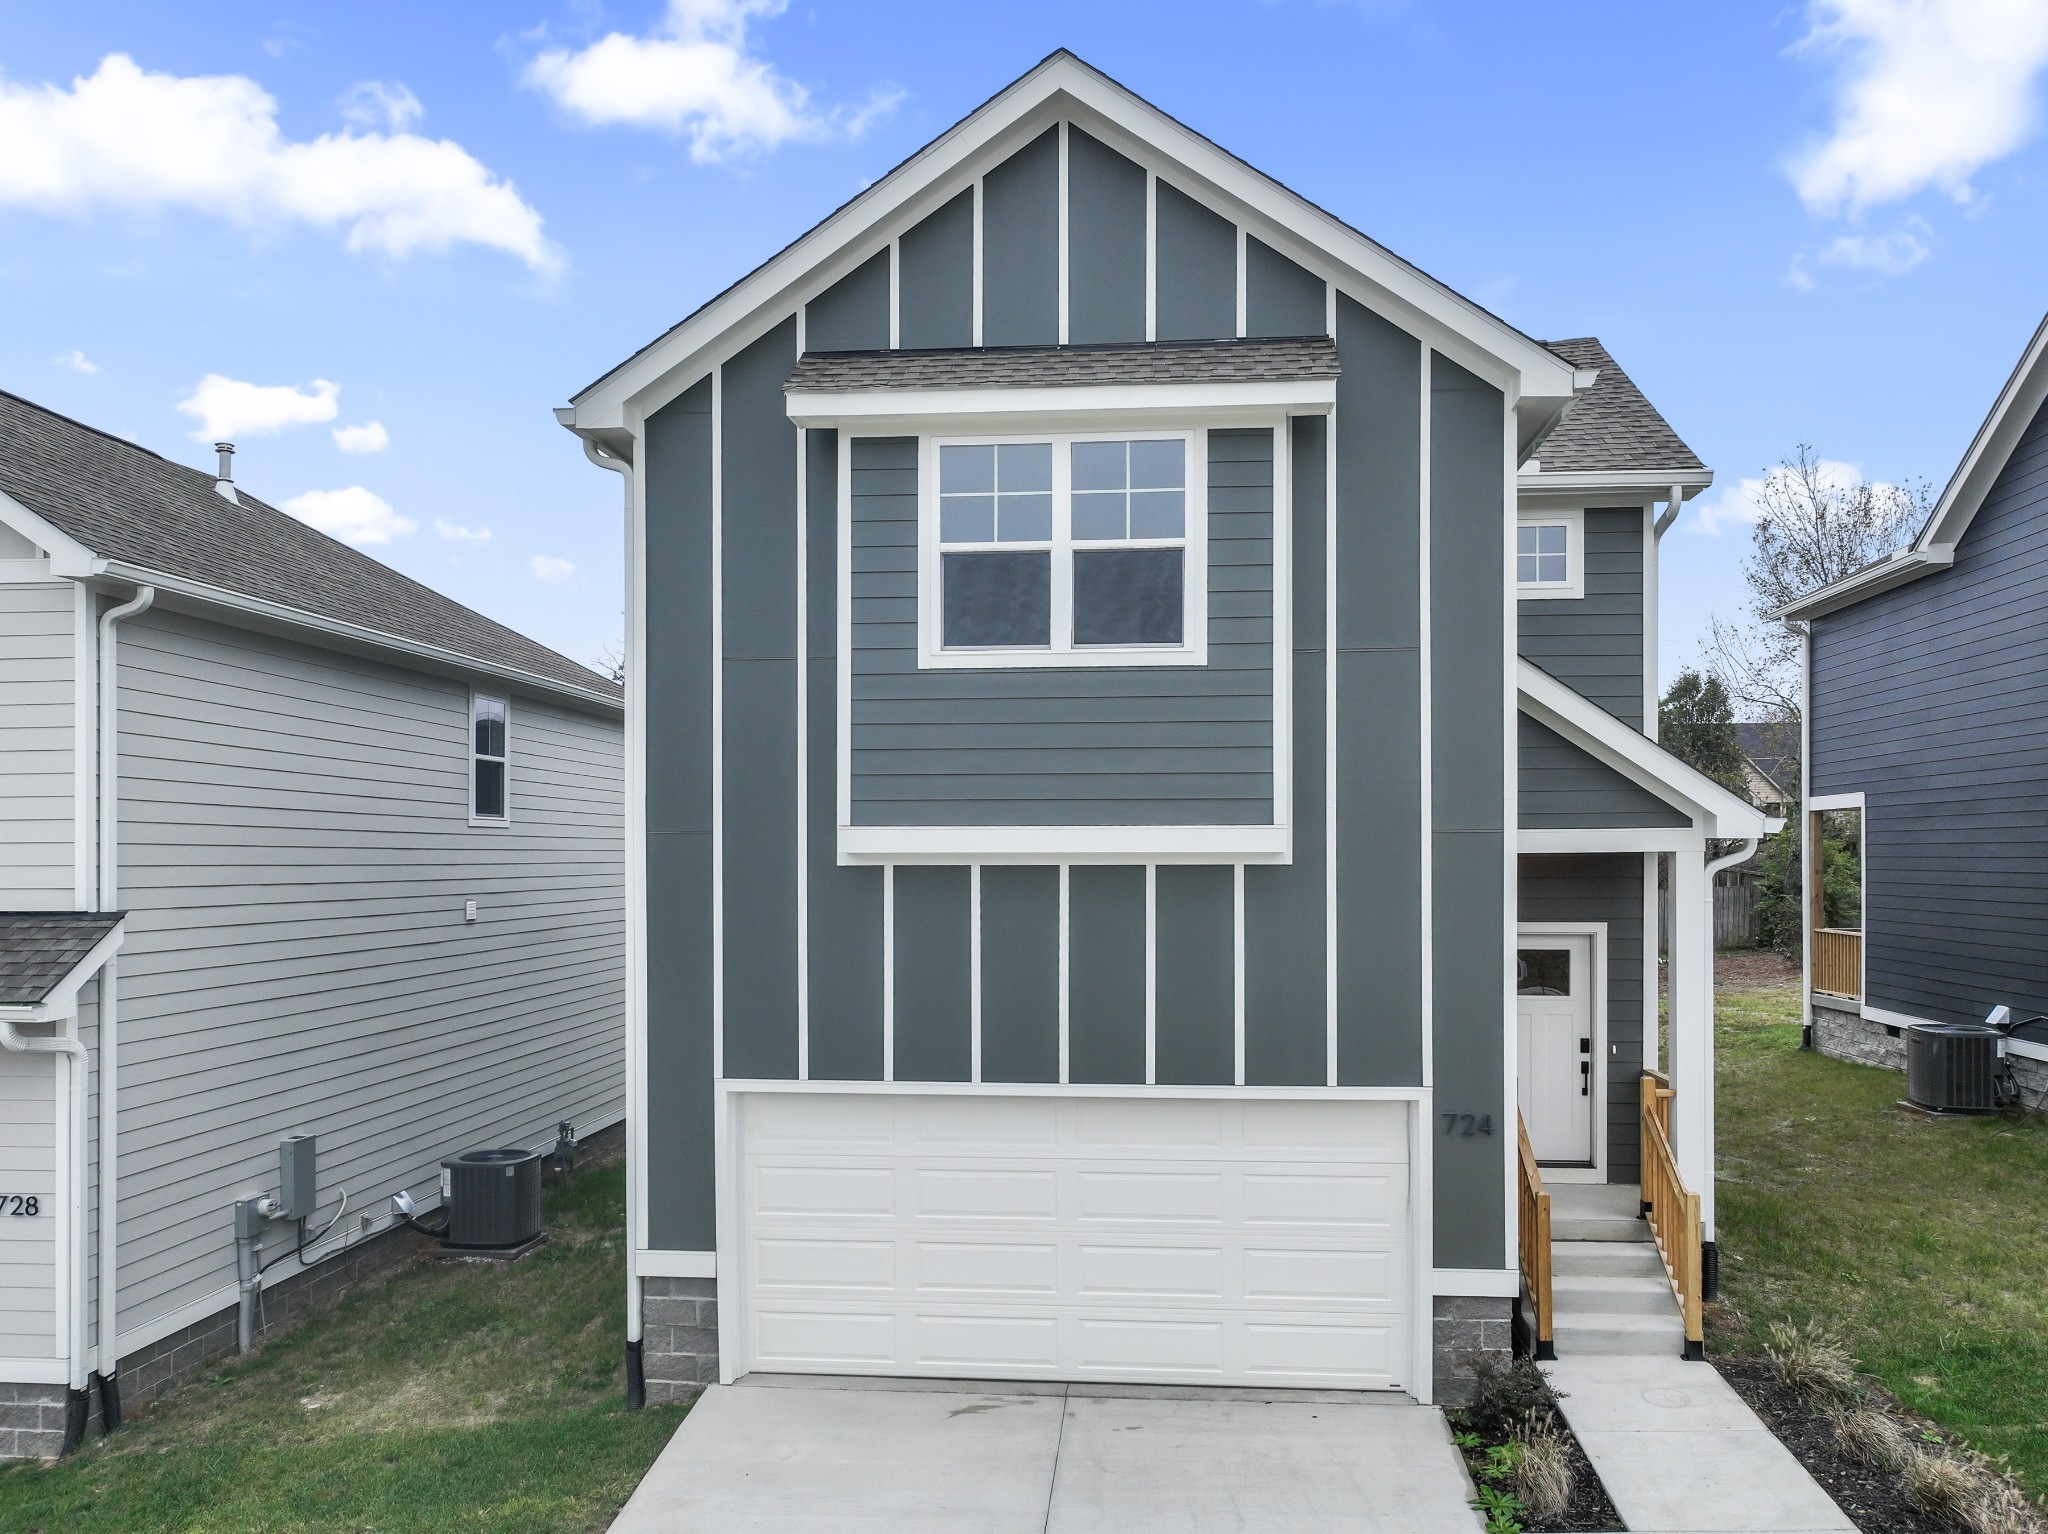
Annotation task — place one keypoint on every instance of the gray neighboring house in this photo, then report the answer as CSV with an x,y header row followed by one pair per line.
x,y
1125,675
359,849
1927,739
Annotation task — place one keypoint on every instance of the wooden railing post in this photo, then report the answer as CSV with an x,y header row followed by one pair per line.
x,y
1673,1211
1533,1227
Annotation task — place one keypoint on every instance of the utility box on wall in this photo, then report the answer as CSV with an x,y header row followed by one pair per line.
x,y
297,1181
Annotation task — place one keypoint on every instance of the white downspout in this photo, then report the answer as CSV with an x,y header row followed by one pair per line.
x,y
1671,511
67,1045
109,1038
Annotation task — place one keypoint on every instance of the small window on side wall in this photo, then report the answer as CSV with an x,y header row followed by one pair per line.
x,y
488,799
1550,555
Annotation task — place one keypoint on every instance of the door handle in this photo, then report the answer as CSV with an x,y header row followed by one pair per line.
x,y
1585,1078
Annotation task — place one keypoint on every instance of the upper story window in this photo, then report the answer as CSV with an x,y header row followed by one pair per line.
x,y
1550,555
1063,550
489,758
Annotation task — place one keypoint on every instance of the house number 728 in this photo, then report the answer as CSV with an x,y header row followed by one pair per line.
x,y
1468,1123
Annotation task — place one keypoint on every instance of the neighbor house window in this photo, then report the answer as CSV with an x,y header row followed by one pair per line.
x,y
1550,555
487,797
1063,550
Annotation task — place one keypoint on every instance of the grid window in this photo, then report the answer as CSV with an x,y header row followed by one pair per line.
x,y
488,758
1543,554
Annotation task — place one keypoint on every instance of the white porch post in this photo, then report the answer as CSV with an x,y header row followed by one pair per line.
x,y
1691,1028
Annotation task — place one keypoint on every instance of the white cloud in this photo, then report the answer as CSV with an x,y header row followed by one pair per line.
x,y
1742,503
370,437
1889,255
455,532
354,515
228,408
136,141
375,104
696,76
77,361
546,567
1931,92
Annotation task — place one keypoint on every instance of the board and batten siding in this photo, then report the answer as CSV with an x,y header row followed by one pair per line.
x,y
295,857
866,973
1607,888
1932,701
1123,745
38,701
1594,643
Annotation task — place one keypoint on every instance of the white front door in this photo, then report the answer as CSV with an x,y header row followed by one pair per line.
x,y
972,1235
1554,1018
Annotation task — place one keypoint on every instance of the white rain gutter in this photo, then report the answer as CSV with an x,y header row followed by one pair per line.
x,y
109,1036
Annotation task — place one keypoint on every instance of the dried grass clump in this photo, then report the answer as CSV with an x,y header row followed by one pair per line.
x,y
1544,1478
1870,1436
1813,1364
1968,1490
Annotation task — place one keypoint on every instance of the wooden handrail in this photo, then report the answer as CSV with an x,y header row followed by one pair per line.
x,y
1673,1210
1534,1225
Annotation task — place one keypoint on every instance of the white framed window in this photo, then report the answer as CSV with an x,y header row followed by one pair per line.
x,y
490,751
1063,549
1550,555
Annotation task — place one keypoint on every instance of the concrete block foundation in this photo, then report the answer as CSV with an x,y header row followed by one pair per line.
x,y
1467,1328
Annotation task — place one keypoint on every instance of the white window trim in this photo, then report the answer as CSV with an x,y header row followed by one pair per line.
x,y
1573,519
1194,648
470,757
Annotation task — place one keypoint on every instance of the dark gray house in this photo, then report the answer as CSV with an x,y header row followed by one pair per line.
x,y
1927,748
367,844
1124,673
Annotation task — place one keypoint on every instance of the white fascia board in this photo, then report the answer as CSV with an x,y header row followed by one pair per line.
x,y
1607,839
1543,381
333,629
68,557
1902,566
1025,407
2022,397
1636,756
1065,844
1629,489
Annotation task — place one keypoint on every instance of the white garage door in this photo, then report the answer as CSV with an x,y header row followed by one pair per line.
x,y
1224,1241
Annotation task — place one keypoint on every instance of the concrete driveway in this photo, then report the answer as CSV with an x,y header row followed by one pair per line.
x,y
787,1455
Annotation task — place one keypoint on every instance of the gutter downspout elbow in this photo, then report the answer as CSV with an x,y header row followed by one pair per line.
x,y
1670,513
1741,854
108,892
78,1403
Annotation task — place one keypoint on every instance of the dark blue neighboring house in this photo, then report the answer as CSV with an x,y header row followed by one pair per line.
x,y
1927,741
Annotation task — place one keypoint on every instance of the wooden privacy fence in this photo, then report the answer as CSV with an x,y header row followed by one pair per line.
x,y
1673,1211
1534,1222
1838,962
1735,911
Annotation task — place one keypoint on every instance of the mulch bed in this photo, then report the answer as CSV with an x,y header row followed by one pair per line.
x,y
1871,1498
1590,1511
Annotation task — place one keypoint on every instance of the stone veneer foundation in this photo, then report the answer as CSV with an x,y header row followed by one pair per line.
x,y
1841,1031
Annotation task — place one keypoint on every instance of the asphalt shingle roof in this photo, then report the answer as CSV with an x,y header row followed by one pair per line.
x,y
130,505
39,948
996,367
1611,426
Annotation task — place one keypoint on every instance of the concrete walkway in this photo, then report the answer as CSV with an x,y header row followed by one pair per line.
x,y
1680,1453
814,1456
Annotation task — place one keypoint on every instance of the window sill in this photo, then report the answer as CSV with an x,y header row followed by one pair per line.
x,y
1065,844
1095,655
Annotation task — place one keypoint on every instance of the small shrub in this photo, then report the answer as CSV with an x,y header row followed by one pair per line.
x,y
1869,1436
1504,1391
1544,1477
1812,1364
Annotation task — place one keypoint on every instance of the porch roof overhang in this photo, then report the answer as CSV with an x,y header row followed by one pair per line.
x,y
46,957
1715,812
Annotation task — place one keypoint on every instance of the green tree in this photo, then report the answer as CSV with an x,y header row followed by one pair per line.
x,y
1696,724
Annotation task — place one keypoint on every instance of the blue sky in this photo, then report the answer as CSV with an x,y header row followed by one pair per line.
x,y
1799,221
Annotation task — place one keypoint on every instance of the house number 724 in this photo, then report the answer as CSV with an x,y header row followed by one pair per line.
x,y
1468,1123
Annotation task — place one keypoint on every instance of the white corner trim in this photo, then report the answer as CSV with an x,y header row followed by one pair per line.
x,y
1065,844
1474,1283
872,410
652,1264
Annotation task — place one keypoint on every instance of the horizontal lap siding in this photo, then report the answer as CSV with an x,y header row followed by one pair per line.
x,y
28,1165
1594,643
1123,746
1932,701
37,624
1605,889
1561,788
295,854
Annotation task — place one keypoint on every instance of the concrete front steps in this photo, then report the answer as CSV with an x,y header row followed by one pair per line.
x,y
1609,1295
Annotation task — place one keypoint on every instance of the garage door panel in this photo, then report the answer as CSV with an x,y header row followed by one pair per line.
x,y
814,1120
1325,1132
1107,1254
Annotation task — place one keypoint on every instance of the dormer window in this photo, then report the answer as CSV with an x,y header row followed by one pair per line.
x,y
1062,550
1550,555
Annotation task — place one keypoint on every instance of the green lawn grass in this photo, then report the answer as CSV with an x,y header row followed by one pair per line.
x,y
1922,1244
453,1397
